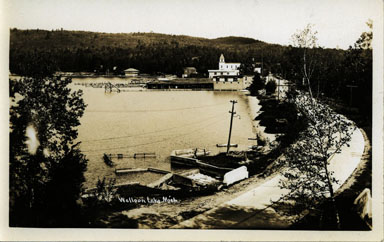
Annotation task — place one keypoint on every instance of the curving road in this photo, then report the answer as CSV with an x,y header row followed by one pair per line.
x,y
252,208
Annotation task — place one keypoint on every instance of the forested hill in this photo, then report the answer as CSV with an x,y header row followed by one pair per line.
x,y
148,52
77,39
38,52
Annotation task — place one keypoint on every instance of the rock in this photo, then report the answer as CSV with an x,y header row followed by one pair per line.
x,y
236,175
363,206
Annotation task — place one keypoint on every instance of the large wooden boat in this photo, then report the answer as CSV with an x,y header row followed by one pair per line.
x,y
189,158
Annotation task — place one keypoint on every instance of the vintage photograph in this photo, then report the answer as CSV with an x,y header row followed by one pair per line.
x,y
234,115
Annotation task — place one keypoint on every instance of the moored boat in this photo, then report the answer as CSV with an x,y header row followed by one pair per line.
x,y
188,157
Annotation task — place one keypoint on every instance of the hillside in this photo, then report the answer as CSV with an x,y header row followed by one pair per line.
x,y
79,39
148,52
42,52
233,40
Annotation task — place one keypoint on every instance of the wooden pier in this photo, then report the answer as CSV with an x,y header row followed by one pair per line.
x,y
136,170
134,156
226,145
129,170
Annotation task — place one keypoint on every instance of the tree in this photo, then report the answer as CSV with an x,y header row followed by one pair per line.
x,y
365,40
247,68
306,40
358,73
46,166
307,174
257,84
270,88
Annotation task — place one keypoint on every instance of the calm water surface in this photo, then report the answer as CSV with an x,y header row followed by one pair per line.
x,y
157,121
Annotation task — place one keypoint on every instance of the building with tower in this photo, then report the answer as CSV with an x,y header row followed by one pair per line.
x,y
228,77
225,69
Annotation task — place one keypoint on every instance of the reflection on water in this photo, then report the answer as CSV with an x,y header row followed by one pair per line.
x,y
157,121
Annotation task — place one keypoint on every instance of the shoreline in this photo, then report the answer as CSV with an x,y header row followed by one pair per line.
x,y
169,215
255,205
255,109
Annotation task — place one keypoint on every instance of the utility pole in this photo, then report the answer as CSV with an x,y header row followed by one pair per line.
x,y
350,93
278,89
230,126
262,62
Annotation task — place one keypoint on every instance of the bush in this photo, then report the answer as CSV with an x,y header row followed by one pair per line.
x,y
270,88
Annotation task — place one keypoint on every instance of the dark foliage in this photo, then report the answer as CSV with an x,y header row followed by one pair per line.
x,y
257,84
289,131
339,77
46,167
62,205
270,87
149,52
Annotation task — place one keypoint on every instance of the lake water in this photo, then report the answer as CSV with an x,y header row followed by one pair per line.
x,y
158,121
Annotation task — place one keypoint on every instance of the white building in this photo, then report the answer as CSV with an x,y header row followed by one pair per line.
x,y
131,72
225,69
227,77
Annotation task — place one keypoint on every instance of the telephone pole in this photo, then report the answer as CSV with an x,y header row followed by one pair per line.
x,y
350,93
230,126
278,89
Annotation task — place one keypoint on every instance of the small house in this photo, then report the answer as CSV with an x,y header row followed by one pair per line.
x,y
188,71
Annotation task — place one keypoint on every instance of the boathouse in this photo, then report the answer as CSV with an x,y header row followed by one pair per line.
x,y
131,72
184,83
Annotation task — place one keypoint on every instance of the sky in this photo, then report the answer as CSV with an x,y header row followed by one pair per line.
x,y
339,22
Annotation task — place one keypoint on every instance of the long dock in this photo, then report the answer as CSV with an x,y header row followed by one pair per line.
x,y
129,170
134,170
135,155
